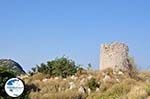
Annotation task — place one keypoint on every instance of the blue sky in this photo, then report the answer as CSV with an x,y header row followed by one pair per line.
x,y
34,31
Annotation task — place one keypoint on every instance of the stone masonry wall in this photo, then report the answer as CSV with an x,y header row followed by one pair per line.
x,y
114,55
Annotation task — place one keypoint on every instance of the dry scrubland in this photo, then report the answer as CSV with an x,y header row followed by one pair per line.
x,y
88,84
118,78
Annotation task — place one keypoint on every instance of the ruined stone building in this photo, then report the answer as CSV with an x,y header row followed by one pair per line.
x,y
114,55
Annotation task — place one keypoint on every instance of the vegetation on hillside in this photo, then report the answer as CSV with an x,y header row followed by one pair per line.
x,y
63,79
59,67
12,65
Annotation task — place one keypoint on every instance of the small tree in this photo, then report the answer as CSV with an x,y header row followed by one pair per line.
x,y
59,67
89,66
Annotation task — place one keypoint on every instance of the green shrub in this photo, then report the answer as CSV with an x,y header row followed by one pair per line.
x,y
59,67
147,89
92,84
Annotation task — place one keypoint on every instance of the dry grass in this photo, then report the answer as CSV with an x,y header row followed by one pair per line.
x,y
127,88
59,95
116,91
137,92
38,76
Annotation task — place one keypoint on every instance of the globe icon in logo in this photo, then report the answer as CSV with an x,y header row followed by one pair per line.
x,y
14,87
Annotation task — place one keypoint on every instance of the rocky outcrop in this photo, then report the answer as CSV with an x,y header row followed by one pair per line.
x,y
114,55
12,65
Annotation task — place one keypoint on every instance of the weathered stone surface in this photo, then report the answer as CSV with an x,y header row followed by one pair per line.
x,y
114,55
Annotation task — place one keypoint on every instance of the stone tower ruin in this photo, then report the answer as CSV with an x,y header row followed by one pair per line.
x,y
114,55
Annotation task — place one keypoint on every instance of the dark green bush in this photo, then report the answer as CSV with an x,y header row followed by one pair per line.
x,y
92,84
59,67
